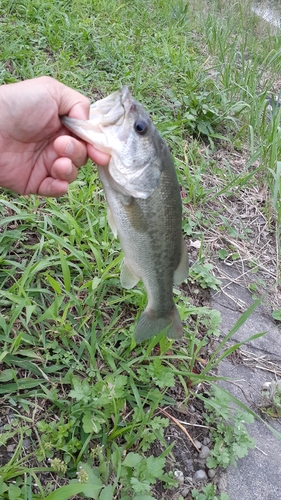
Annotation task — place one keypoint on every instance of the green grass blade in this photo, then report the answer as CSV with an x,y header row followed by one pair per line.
x,y
67,492
65,270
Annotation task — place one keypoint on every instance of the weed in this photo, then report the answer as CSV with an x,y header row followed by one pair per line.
x,y
228,431
271,399
277,315
201,274
208,493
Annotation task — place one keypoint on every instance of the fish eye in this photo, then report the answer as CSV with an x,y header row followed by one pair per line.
x,y
141,127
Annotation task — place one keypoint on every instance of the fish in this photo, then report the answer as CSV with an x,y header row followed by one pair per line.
x,y
144,205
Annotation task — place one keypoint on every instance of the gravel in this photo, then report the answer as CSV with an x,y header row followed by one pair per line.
x,y
199,475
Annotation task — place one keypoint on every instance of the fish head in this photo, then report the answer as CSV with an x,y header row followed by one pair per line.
x,y
120,126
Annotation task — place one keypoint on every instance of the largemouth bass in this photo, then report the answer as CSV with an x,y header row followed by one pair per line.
x,y
144,205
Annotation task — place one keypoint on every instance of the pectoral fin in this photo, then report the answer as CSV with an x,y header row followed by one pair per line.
x,y
181,273
128,278
135,215
111,222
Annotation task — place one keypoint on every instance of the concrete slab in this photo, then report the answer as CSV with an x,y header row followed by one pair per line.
x,y
233,301
257,476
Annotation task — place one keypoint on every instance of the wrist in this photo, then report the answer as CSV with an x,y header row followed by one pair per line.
x,y
3,140
2,114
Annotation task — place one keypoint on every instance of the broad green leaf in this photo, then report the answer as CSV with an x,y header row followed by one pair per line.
x,y
107,493
3,486
91,423
155,465
14,492
139,486
132,459
7,375
81,390
277,314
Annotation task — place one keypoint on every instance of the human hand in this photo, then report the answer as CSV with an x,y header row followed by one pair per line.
x,y
37,153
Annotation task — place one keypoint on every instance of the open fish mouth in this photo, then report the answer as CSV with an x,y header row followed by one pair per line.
x,y
112,109
107,120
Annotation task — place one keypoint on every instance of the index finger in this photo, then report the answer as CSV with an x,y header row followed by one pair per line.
x,y
69,101
97,156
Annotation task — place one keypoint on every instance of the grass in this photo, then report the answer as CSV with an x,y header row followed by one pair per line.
x,y
72,380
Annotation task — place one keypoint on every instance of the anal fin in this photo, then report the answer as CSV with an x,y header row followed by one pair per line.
x,y
181,273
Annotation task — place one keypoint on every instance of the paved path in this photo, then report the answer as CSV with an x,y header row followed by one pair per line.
x,y
257,476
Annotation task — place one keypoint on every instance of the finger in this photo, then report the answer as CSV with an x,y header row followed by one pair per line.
x,y
52,187
70,102
71,148
97,156
64,169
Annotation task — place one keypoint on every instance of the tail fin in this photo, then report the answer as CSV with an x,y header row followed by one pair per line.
x,y
149,325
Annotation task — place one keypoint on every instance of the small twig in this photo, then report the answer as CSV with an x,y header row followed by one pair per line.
x,y
253,356
239,387
260,358
267,369
261,451
194,425
176,421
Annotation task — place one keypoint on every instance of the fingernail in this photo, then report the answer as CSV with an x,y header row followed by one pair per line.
x,y
69,171
69,148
